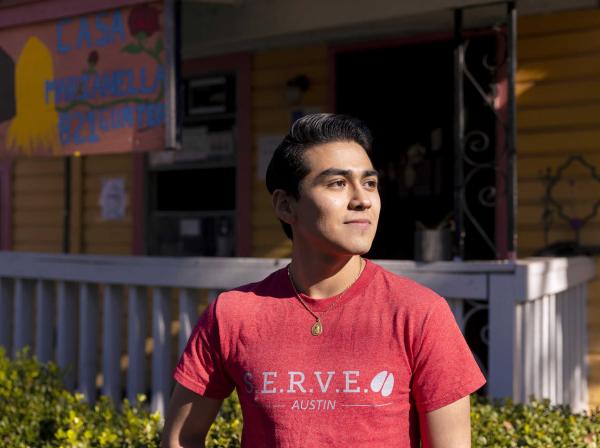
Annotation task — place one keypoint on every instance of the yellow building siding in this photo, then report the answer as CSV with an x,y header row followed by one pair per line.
x,y
38,204
271,114
100,236
559,116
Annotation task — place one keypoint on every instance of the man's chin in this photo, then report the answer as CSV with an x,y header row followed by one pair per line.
x,y
359,249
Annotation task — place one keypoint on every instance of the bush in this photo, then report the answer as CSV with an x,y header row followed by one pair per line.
x,y
539,424
226,431
37,411
494,424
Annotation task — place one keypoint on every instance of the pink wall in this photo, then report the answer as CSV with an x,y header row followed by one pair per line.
x,y
23,12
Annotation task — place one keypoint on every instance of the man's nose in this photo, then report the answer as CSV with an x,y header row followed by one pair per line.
x,y
360,200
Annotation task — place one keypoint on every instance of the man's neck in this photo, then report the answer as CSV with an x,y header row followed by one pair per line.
x,y
320,277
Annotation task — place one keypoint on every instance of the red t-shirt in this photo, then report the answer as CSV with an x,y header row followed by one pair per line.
x,y
389,348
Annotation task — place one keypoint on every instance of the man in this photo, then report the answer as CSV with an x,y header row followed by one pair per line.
x,y
332,350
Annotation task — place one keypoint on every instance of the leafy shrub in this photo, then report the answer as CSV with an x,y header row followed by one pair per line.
x,y
37,411
494,424
538,424
226,431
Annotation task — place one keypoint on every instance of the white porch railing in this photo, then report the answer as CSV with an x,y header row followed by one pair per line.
x,y
90,314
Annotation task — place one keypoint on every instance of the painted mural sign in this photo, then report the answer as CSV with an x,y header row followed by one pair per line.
x,y
88,84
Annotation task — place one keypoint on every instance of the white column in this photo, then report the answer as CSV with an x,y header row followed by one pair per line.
x,y
578,293
584,345
501,353
528,373
24,319
569,349
559,331
6,314
161,356
111,342
136,342
188,314
552,368
518,388
88,337
545,347
45,311
537,348
66,350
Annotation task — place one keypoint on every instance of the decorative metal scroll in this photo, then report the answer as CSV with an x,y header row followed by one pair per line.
x,y
480,127
472,317
553,205
476,331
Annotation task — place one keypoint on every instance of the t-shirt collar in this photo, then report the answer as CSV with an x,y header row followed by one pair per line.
x,y
323,304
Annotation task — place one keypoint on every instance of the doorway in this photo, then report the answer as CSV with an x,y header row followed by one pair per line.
x,y
404,93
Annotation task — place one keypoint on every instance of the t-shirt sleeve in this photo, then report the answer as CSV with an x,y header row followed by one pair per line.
x,y
444,369
201,366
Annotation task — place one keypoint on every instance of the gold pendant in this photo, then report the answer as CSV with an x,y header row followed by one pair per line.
x,y
317,328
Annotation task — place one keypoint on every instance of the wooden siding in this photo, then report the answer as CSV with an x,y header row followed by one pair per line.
x,y
271,114
99,236
38,204
558,89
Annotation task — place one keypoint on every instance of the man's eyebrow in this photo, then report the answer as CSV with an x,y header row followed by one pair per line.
x,y
345,173
371,173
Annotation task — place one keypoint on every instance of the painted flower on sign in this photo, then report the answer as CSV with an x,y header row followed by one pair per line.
x,y
144,19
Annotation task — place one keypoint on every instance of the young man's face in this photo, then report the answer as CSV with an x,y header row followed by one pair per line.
x,y
338,209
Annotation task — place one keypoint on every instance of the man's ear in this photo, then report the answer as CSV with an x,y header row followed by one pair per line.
x,y
283,204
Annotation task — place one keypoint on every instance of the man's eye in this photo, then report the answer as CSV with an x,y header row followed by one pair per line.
x,y
338,183
371,184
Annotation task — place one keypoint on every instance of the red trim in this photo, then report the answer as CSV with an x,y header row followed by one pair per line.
x,y
45,10
501,210
6,174
137,203
241,64
244,171
401,41
391,42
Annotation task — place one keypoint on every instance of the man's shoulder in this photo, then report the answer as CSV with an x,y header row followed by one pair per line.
x,y
405,290
270,286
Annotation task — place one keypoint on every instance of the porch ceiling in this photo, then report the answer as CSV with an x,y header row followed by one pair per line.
x,y
211,27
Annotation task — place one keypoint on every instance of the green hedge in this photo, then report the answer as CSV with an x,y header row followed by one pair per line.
x,y
37,411
539,424
494,425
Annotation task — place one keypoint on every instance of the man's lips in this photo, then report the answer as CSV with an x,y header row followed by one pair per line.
x,y
362,222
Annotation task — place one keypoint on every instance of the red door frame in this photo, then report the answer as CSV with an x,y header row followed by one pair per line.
x,y
240,63
6,174
501,209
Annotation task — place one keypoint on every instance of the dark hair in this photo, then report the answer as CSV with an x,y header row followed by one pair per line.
x,y
287,167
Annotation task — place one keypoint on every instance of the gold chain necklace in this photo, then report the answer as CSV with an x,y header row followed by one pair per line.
x,y
317,327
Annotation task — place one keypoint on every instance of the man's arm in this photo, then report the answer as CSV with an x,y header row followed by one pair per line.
x,y
447,427
188,419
